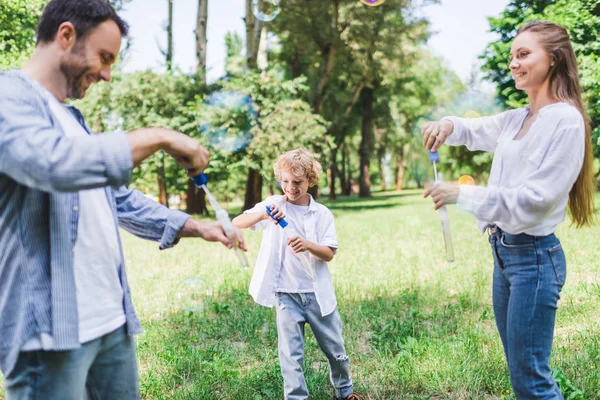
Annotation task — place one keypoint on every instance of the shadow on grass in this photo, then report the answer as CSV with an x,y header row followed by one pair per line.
x,y
380,200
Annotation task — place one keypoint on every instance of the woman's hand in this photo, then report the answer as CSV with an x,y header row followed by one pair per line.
x,y
442,194
435,133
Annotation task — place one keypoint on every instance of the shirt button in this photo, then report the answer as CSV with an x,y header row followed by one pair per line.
x,y
75,208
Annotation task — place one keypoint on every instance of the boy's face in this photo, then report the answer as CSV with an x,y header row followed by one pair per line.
x,y
294,187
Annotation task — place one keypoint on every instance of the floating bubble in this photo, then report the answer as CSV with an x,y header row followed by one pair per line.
x,y
466,180
372,3
193,294
472,114
265,10
228,119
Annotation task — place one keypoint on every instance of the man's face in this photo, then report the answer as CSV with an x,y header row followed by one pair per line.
x,y
90,59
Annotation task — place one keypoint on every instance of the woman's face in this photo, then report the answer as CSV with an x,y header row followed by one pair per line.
x,y
529,63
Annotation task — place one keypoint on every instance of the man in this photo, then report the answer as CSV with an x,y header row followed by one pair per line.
x,y
66,316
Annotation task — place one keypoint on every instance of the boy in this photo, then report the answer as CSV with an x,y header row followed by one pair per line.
x,y
280,278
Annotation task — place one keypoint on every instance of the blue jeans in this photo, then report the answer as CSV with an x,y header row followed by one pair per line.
x,y
294,310
102,369
529,273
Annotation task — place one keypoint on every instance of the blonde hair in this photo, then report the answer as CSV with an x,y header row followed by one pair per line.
x,y
564,86
299,162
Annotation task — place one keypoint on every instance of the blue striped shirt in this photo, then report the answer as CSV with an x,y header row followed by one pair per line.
x,y
41,172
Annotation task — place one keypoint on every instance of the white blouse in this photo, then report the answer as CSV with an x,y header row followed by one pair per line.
x,y
530,180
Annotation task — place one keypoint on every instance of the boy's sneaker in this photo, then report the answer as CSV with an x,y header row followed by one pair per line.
x,y
352,396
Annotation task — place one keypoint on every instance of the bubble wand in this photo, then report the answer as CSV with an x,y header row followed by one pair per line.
x,y
290,232
434,158
223,217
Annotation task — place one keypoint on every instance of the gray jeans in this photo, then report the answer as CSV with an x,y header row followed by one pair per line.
x,y
294,310
102,369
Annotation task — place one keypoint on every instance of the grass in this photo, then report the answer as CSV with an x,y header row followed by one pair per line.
x,y
415,326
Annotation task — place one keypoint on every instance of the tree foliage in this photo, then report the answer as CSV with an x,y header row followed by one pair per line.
x,y
18,24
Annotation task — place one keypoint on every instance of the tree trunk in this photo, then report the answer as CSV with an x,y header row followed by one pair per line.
x,y
196,198
329,53
297,64
253,189
201,38
399,168
365,144
346,172
252,36
381,172
314,191
333,172
253,32
163,195
170,37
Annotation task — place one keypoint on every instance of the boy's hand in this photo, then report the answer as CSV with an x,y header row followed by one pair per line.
x,y
276,212
298,244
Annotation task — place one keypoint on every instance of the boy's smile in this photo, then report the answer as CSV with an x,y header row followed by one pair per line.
x,y
295,188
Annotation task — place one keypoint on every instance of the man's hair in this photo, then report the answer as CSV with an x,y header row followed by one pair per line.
x,y
301,163
85,15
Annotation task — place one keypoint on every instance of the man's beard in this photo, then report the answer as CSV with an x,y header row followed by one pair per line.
x,y
75,69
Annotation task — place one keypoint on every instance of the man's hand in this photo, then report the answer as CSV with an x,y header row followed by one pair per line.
x,y
443,193
437,131
298,244
186,151
211,231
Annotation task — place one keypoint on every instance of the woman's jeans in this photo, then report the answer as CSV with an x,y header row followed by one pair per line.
x,y
529,273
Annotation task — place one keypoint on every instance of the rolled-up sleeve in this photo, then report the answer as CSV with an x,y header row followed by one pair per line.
x,y
147,219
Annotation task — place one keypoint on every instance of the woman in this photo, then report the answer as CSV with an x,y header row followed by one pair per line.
x,y
542,163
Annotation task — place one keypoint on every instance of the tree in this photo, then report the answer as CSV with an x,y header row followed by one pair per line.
x,y
141,99
280,121
18,23
196,198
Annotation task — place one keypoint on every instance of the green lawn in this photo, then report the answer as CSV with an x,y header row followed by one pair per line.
x,y
416,327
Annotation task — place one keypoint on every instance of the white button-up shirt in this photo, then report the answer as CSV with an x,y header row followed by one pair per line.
x,y
530,179
320,229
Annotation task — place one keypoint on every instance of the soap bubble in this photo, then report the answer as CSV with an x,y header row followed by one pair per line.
x,y
193,294
472,114
466,180
228,118
265,10
372,3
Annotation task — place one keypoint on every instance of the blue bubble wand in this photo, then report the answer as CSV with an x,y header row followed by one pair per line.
x,y
290,232
434,158
223,217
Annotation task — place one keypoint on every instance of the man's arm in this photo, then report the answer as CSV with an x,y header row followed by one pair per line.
x,y
149,220
37,154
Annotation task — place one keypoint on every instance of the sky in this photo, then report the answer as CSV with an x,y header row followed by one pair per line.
x,y
461,32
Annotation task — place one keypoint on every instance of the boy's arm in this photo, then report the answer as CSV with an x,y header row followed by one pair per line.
x,y
324,253
320,251
247,220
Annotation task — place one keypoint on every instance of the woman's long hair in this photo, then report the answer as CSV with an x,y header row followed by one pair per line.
x,y
564,86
